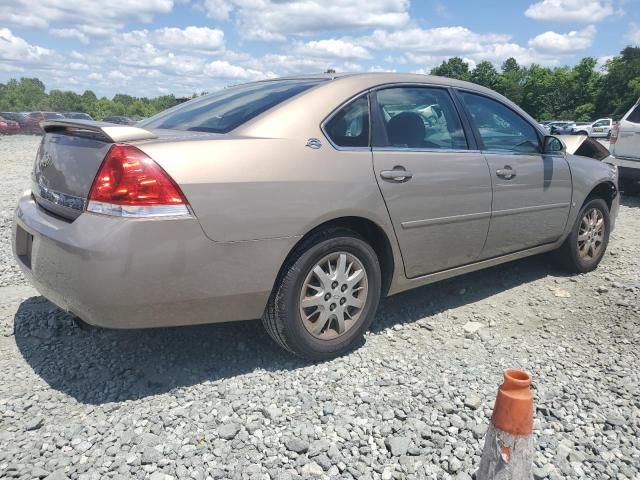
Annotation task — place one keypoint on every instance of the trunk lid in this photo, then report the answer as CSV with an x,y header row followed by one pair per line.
x,y
68,159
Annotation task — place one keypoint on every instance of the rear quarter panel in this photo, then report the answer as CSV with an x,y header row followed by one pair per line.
x,y
258,188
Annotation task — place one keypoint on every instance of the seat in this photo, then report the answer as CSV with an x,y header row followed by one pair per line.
x,y
406,129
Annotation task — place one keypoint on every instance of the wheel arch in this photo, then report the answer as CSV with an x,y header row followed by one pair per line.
x,y
606,190
369,230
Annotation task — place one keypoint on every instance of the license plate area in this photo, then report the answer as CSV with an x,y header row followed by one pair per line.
x,y
24,245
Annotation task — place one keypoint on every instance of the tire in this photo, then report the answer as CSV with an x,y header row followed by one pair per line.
x,y
582,132
283,317
573,250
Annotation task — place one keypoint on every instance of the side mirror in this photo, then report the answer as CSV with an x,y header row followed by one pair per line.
x,y
553,145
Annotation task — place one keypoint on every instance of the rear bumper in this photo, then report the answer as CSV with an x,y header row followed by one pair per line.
x,y
136,273
627,169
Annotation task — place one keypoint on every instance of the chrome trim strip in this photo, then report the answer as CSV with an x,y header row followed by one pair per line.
x,y
58,198
445,220
423,150
535,208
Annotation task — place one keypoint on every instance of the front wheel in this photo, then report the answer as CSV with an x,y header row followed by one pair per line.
x,y
585,246
326,296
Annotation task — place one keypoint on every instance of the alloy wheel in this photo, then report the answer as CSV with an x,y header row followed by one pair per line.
x,y
591,234
333,295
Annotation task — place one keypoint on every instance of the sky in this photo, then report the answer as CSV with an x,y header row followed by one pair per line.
x,y
156,47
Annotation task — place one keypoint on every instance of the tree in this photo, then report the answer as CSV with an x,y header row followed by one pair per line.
x,y
581,92
455,67
510,65
616,93
485,74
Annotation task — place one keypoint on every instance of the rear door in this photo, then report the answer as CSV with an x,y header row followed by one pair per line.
x,y
434,181
531,191
628,142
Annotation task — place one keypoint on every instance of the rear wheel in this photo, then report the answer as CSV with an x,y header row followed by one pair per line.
x,y
586,244
326,296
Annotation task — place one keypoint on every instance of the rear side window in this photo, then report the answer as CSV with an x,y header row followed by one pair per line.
x,y
634,116
349,127
223,111
420,117
501,128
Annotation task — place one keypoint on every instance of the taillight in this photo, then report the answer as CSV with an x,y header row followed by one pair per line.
x,y
614,133
130,184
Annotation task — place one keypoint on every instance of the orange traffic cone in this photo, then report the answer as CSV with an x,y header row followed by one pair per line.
x,y
508,445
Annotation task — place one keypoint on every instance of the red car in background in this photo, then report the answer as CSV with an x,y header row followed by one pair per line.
x,y
34,119
8,127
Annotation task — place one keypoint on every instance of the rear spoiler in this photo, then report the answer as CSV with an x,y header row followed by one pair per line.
x,y
109,131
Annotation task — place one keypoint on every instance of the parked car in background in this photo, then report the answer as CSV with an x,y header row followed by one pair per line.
x,y
302,201
120,120
601,128
36,117
77,115
26,126
8,127
560,128
625,146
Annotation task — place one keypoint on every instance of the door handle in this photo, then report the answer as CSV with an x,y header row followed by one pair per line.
x,y
507,172
398,174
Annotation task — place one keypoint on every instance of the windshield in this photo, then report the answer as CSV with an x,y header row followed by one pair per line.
x,y
223,111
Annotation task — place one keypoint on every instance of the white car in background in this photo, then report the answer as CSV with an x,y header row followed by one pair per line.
x,y
625,146
600,128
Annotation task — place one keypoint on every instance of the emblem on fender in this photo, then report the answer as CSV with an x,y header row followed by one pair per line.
x,y
314,143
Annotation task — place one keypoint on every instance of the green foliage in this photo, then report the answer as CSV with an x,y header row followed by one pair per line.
x,y
455,67
28,95
561,93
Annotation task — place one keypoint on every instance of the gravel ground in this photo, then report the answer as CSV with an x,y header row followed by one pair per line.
x,y
223,401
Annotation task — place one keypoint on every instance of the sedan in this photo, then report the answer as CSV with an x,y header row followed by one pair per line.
x,y
302,201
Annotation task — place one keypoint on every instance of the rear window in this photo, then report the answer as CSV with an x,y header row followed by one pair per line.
x,y
223,111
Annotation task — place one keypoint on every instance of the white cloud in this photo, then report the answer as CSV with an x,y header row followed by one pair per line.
x,y
82,12
189,38
274,19
633,34
217,9
16,49
587,11
440,40
223,69
564,43
69,33
117,75
332,48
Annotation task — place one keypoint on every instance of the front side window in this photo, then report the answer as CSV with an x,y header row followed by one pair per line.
x,y
501,128
420,117
349,127
601,123
223,111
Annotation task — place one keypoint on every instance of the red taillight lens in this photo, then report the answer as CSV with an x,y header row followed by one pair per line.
x,y
129,183
614,133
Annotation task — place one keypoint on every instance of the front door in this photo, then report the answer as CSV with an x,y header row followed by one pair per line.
x,y
531,191
437,190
